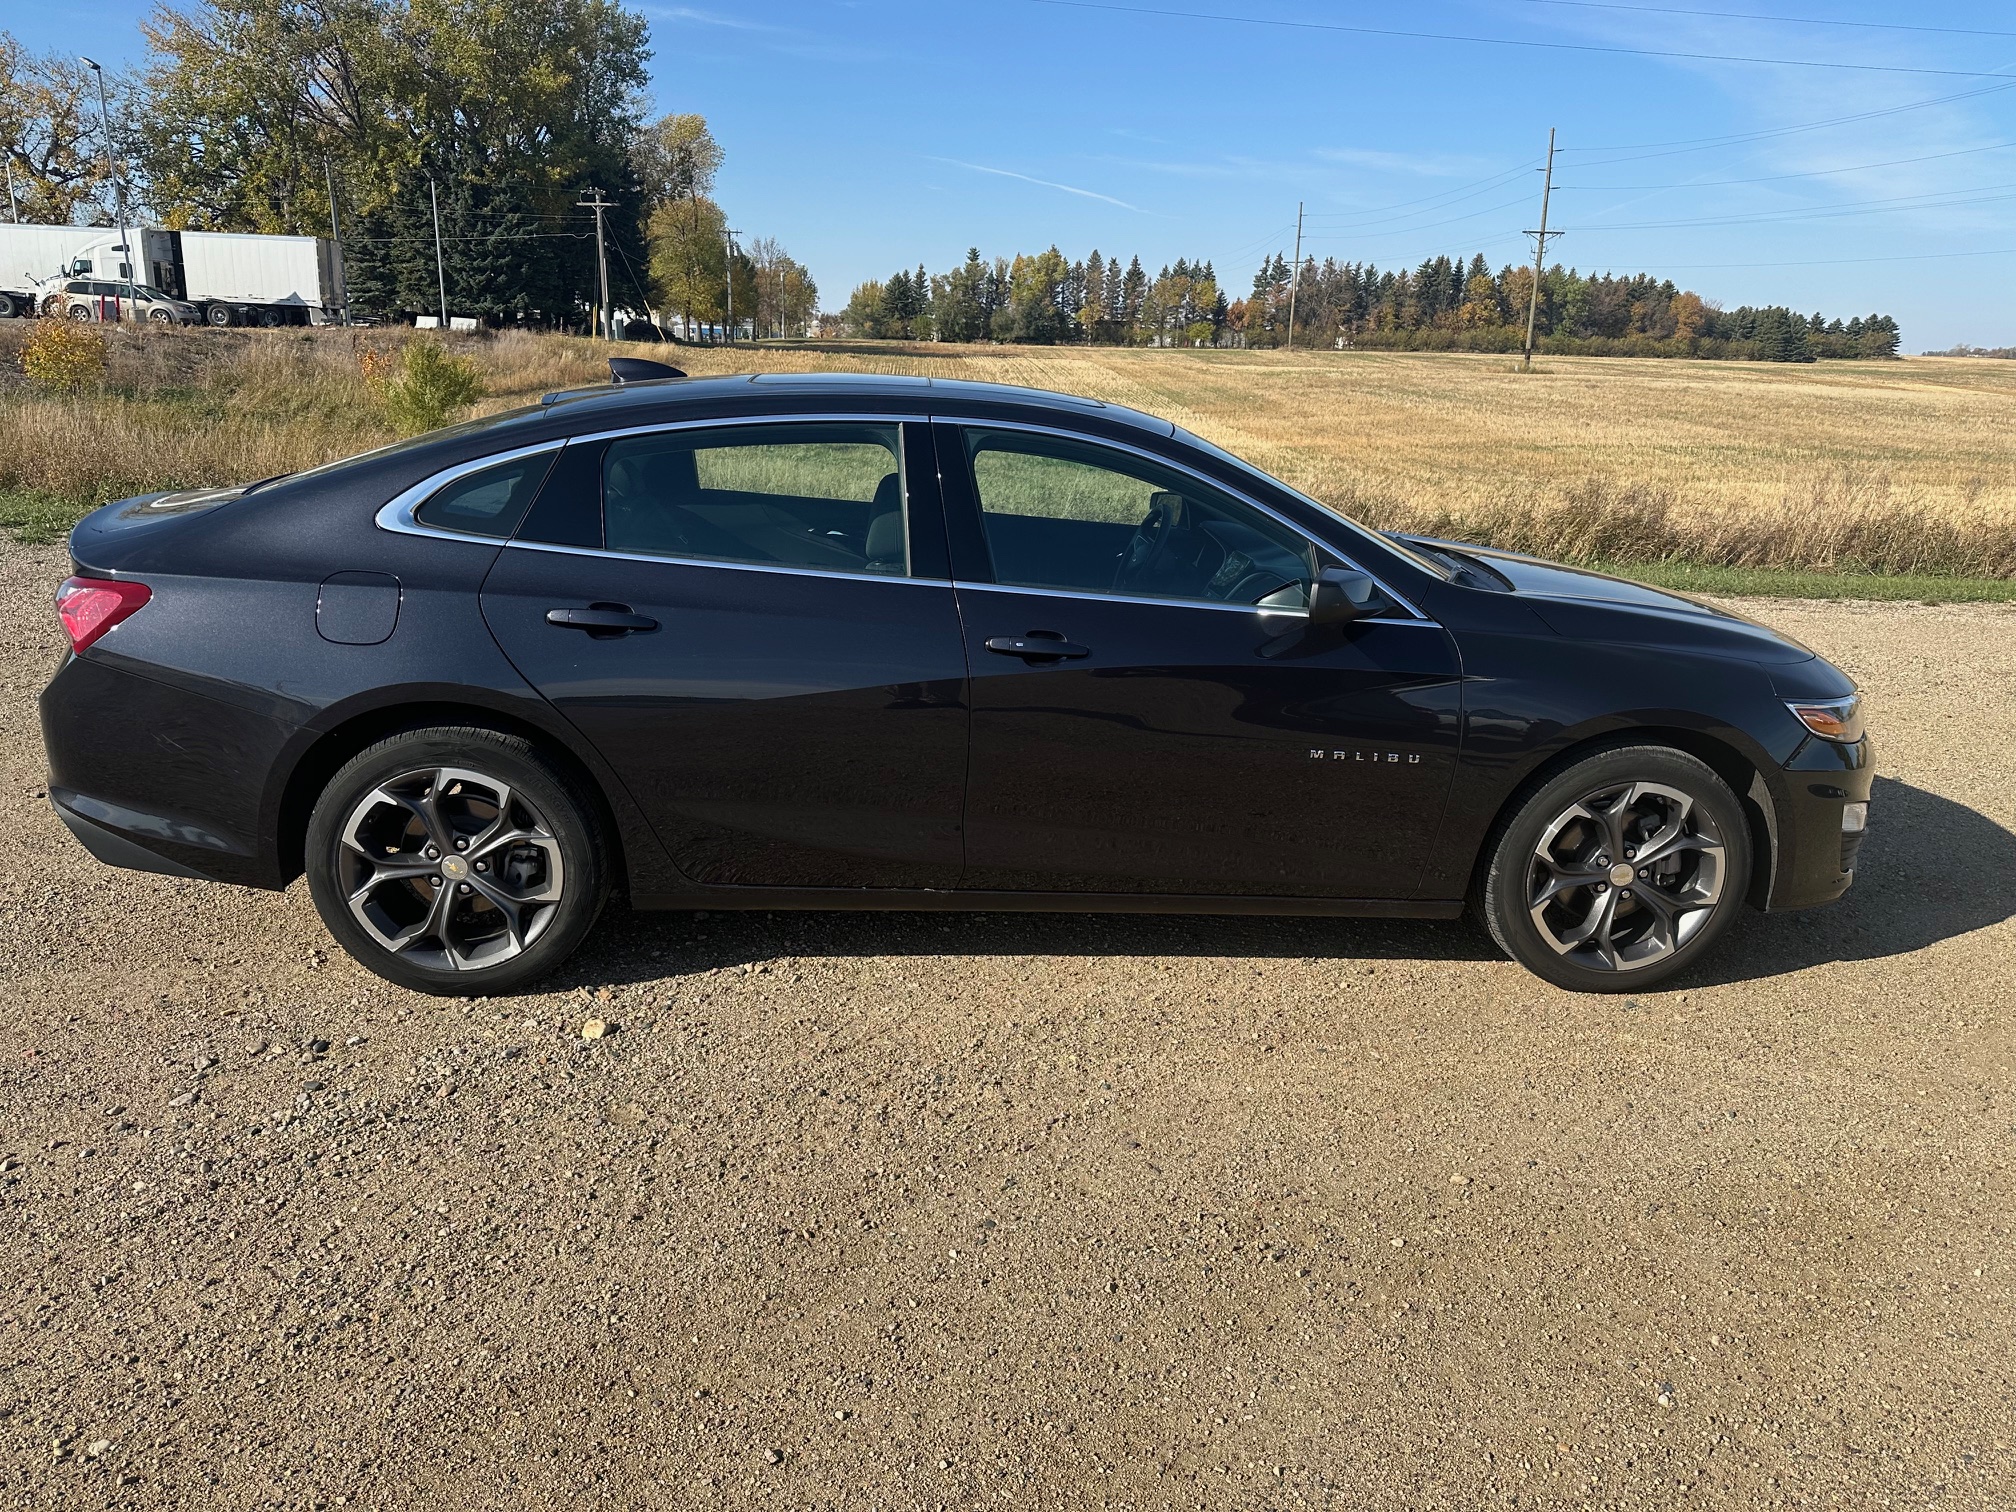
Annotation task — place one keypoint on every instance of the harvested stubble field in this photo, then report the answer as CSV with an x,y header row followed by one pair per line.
x,y
1903,468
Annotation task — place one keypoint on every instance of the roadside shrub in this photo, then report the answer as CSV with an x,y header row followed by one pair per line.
x,y
61,354
424,388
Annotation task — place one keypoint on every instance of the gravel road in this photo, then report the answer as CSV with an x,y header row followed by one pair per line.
x,y
922,1212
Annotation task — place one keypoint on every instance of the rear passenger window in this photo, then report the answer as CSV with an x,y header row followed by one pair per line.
x,y
487,503
821,496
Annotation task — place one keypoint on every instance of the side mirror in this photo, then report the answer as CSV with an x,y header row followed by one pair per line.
x,y
1340,595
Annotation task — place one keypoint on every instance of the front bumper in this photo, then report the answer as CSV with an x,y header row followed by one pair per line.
x,y
1814,855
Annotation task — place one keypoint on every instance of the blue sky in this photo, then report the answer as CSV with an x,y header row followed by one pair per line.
x,y
871,134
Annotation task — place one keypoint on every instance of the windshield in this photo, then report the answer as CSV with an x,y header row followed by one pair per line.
x,y
1391,543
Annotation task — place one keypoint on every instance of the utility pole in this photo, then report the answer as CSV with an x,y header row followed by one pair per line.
x,y
336,236
1295,281
1539,252
598,205
440,265
118,184
728,268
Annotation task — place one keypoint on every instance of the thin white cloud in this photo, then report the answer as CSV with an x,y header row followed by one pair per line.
x,y
697,17
1091,194
1398,162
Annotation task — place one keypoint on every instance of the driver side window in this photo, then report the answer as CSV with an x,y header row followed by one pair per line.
x,y
1079,517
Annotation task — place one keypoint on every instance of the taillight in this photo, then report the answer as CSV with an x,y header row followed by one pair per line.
x,y
91,606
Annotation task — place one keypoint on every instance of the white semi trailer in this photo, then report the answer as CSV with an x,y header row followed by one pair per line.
x,y
233,278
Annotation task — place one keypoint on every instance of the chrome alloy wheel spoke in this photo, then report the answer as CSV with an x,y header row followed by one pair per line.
x,y
423,859
1600,894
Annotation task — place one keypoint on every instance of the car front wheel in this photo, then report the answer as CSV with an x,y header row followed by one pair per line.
x,y
1618,871
461,862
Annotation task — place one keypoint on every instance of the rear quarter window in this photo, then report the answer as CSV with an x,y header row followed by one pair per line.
x,y
490,502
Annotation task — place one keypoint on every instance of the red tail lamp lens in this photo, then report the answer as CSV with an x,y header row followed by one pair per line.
x,y
91,606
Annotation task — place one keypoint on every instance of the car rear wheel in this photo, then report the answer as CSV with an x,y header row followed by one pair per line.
x,y
456,861
1619,871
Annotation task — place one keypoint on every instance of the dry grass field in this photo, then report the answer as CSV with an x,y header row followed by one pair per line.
x,y
1904,467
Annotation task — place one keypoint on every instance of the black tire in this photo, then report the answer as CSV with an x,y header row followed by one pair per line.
x,y
218,315
424,917
80,312
1620,930
8,308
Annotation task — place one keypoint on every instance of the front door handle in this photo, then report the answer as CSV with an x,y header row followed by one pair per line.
x,y
1038,645
601,619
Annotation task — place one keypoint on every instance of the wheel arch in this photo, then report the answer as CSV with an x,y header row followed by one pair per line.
x,y
333,747
1744,776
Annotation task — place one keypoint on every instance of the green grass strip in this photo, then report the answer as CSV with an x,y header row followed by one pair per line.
x,y
35,519
1772,582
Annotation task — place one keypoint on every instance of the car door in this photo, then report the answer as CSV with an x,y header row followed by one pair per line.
x,y
1152,712
754,625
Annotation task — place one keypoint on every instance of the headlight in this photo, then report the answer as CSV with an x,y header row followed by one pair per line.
x,y
1836,719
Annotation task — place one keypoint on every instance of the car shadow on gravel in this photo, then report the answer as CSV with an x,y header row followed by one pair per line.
x,y
636,947
1931,869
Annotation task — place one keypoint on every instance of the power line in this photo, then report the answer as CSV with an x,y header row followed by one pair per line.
x,y
1703,144
1985,194
1581,47
1671,10
1841,262
1779,178
1451,196
1342,233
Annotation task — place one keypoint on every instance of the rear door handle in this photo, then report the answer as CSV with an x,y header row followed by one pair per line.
x,y
1038,647
601,619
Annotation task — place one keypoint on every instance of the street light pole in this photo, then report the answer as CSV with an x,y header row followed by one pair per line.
x,y
118,184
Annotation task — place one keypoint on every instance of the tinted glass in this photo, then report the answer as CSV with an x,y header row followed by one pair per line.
x,y
828,497
1072,515
487,503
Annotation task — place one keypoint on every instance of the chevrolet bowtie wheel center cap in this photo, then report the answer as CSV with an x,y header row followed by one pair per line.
x,y
454,868
1620,874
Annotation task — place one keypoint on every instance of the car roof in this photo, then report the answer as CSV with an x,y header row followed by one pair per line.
x,y
614,403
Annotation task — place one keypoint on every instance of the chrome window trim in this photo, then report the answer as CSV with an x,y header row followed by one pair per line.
x,y
967,422
1092,596
396,514
728,566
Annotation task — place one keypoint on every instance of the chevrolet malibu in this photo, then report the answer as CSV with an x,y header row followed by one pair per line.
x,y
851,642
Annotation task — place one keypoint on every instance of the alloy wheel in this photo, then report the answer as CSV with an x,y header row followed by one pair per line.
x,y
450,868
1625,876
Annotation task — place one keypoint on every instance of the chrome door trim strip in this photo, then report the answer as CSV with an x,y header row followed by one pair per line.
x,y
679,561
968,422
1092,596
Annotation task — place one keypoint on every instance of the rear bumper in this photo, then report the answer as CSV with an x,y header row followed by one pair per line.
x,y
1815,856
161,778
115,849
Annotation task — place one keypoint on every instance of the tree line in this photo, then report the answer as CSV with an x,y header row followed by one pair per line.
x,y
499,116
1445,304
